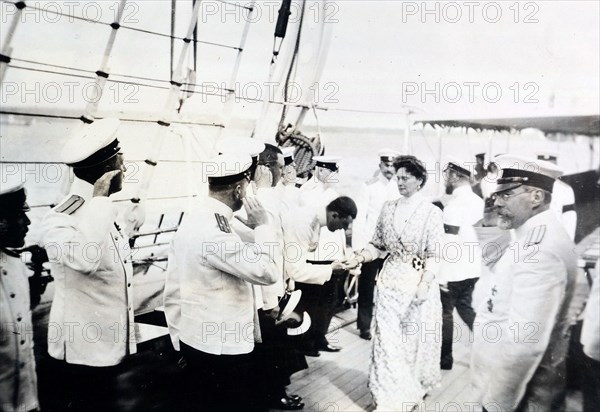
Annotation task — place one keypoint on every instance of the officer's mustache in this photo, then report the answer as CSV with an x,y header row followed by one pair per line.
x,y
504,214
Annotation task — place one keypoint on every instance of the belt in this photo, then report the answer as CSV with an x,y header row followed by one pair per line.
x,y
568,208
453,230
319,262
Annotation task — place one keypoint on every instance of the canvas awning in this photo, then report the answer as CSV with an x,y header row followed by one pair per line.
x,y
588,125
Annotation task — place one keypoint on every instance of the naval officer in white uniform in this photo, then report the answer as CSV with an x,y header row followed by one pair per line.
x,y
91,327
461,260
321,300
302,230
522,325
216,324
244,146
381,188
18,380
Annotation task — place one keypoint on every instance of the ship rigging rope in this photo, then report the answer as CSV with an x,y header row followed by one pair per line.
x,y
152,86
241,6
293,64
410,109
151,79
146,31
124,119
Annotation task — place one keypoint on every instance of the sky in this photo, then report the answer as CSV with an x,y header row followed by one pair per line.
x,y
436,59
433,59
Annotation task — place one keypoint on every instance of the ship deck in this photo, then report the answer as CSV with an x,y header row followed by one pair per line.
x,y
332,382
338,381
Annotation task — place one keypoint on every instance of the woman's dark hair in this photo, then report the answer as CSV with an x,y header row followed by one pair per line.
x,y
413,166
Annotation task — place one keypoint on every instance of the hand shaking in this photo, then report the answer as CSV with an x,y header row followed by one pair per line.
x,y
351,263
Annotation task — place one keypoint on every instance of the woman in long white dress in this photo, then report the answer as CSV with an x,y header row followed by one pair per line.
x,y
405,361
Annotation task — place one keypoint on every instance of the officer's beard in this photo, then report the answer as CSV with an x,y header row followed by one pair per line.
x,y
505,220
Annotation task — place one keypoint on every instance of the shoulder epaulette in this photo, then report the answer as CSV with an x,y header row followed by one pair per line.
x,y
223,223
70,205
535,235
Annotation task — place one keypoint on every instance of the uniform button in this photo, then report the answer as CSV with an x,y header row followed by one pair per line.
x,y
22,365
129,285
19,319
4,272
125,261
22,342
12,295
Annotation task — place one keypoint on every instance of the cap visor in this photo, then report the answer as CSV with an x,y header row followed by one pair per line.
x,y
501,187
306,322
290,305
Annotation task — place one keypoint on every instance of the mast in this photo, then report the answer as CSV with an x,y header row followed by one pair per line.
x,y
6,48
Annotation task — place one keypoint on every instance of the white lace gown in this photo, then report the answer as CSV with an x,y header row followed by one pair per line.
x,y
405,359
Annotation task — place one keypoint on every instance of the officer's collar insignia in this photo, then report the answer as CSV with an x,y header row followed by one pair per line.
x,y
70,205
223,223
535,235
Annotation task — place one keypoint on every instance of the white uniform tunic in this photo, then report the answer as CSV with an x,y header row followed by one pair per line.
x,y
290,198
563,205
301,234
18,381
209,301
271,199
522,326
377,191
91,319
332,245
461,255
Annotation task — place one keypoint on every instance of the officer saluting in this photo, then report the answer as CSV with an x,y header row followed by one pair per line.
x,y
243,146
91,326
18,382
522,325
216,324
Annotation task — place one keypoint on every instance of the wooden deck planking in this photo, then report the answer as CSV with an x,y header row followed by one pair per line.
x,y
332,371
338,381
